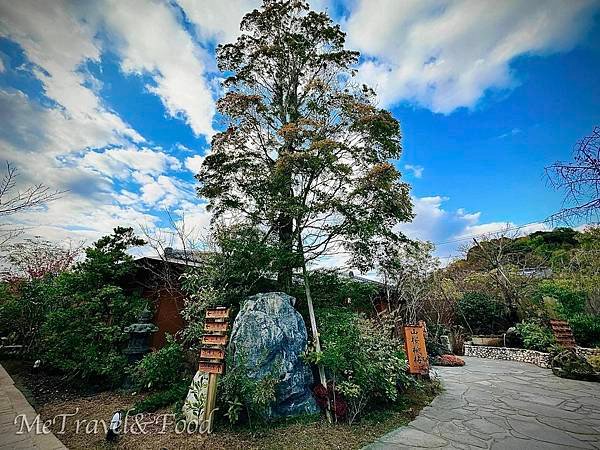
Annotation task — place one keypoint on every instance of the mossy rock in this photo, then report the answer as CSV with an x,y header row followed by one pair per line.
x,y
568,365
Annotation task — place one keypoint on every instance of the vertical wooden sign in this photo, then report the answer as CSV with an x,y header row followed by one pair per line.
x,y
416,352
563,333
212,356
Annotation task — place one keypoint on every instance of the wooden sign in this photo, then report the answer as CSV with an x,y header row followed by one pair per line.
x,y
212,353
211,367
416,352
563,333
215,326
217,313
214,339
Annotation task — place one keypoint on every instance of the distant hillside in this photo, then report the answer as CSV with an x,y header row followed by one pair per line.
x,y
539,249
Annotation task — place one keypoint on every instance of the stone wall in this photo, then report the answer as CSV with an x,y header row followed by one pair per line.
x,y
587,352
540,359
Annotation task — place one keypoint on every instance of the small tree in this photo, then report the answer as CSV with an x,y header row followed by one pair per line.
x,y
36,258
407,270
82,334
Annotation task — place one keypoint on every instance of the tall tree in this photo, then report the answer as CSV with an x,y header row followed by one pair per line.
x,y
305,151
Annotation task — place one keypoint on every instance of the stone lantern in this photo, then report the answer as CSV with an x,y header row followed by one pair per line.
x,y
139,336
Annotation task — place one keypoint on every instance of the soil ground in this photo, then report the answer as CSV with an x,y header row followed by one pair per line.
x,y
51,396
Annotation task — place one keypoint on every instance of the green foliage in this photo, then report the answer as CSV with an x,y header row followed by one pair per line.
x,y
542,248
283,160
535,336
243,262
570,301
243,397
160,369
434,345
365,362
24,305
586,329
594,362
157,400
481,313
329,287
76,319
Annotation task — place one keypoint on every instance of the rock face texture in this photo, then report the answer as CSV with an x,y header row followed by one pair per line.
x,y
269,335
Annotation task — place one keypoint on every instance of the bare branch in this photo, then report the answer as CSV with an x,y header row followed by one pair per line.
x,y
580,179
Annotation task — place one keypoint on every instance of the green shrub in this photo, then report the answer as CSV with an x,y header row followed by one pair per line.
x,y
24,305
84,337
177,391
82,333
594,362
570,301
329,287
481,313
586,329
433,342
242,397
158,370
535,336
365,363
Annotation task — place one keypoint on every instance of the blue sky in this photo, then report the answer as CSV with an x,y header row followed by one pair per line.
x,y
114,101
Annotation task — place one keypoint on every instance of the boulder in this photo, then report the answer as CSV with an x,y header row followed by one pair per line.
x,y
568,365
269,335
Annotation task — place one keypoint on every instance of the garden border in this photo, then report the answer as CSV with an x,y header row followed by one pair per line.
x,y
540,359
586,352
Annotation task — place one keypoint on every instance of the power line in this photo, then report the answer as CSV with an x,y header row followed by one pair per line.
x,y
465,238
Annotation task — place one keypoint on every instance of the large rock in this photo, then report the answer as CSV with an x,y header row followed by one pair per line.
x,y
269,335
568,365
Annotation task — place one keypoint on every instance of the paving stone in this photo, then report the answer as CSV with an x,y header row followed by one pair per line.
x,y
414,438
13,404
504,405
543,433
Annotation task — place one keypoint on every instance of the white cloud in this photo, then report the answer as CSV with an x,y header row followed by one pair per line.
x,y
58,44
163,192
2,68
164,50
511,229
512,132
217,20
417,171
59,144
452,230
194,163
444,54
119,162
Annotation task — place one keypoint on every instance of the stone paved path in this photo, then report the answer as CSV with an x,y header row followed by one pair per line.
x,y
504,405
13,403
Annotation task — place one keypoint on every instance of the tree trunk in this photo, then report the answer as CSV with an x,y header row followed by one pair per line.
x,y
284,275
313,322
